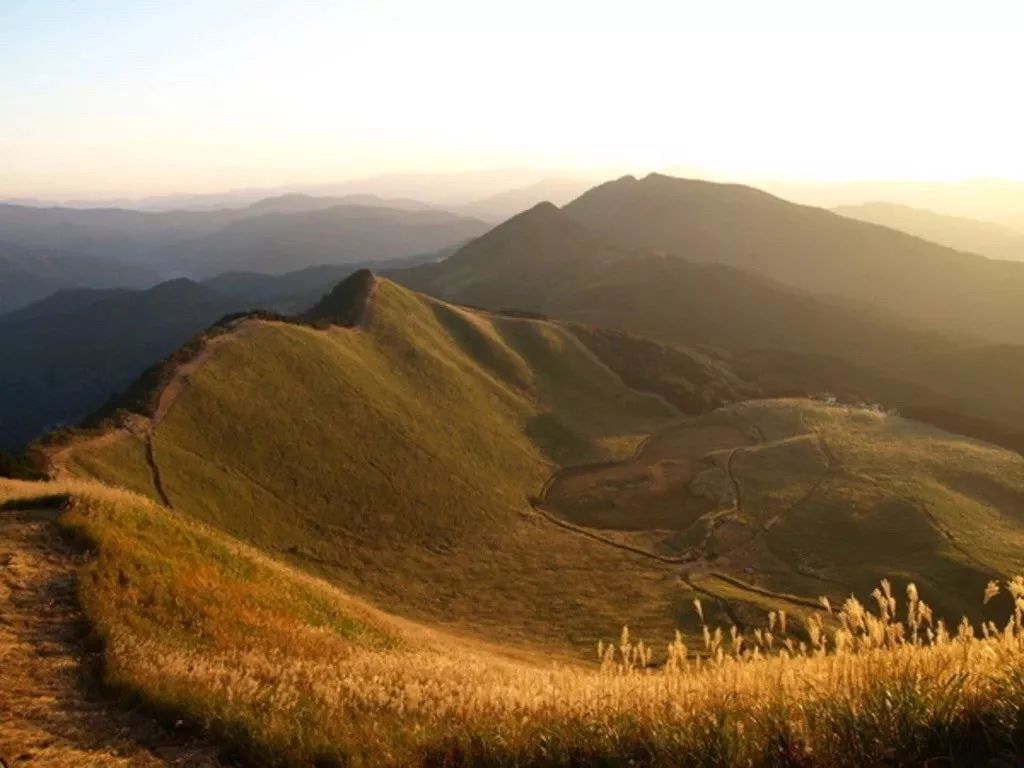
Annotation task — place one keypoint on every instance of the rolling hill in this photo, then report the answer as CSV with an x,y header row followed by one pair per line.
x,y
65,355
812,250
360,535
417,464
971,235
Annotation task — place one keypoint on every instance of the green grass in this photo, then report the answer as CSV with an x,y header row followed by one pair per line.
x,y
398,461
832,499
120,461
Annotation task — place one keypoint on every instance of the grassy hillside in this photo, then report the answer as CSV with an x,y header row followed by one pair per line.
x,y
402,464
694,380
797,498
810,249
412,446
968,390
359,545
279,668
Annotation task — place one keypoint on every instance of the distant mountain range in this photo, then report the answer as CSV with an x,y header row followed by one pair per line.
x,y
279,242
29,273
43,250
495,194
972,235
997,200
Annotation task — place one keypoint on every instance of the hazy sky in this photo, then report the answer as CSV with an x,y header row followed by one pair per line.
x,y
140,97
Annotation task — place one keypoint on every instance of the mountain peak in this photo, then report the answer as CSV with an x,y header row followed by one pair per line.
x,y
346,304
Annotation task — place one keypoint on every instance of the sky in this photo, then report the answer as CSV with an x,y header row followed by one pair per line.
x,y
134,97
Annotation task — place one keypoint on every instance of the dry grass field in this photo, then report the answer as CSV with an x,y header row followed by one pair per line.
x,y
284,668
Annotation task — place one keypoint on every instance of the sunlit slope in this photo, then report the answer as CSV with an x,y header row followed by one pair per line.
x,y
398,459
799,499
278,668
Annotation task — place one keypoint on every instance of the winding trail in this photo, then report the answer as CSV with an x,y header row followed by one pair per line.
x,y
154,471
591,534
734,481
51,710
694,558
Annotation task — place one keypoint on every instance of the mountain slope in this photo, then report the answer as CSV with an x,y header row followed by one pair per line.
x,y
419,456
403,460
811,249
972,235
544,261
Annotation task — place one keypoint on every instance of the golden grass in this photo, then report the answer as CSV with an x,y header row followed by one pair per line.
x,y
288,669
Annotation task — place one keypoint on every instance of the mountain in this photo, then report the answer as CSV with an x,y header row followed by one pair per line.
x,y
991,199
28,274
282,242
785,341
62,358
508,203
300,203
545,261
112,233
812,250
972,235
295,292
43,250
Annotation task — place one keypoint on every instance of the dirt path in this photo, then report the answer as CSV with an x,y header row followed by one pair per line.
x,y
591,534
694,559
142,426
48,716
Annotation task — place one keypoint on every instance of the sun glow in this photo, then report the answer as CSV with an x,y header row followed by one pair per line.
x,y
139,98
